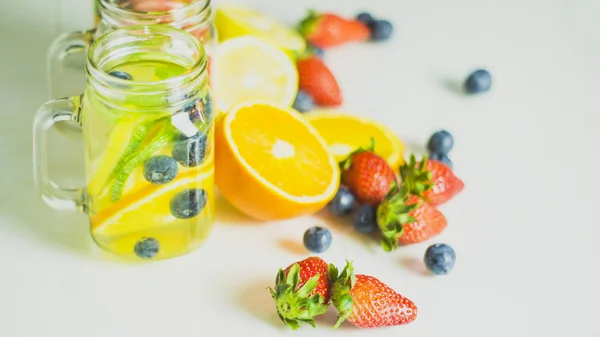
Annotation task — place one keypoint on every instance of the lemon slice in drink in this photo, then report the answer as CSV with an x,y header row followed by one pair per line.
x,y
148,207
232,22
119,140
248,69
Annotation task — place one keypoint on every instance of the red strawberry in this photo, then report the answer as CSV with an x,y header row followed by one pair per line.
x,y
302,291
405,218
368,176
435,182
367,302
429,222
329,30
318,81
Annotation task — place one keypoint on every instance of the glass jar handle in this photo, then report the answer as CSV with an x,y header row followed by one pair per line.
x,y
60,79
52,112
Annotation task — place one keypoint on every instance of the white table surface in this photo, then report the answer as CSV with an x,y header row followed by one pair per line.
x,y
525,228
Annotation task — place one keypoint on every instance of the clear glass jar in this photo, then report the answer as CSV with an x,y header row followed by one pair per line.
x,y
66,56
147,128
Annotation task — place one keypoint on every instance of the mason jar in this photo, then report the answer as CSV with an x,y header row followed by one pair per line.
x,y
66,55
146,126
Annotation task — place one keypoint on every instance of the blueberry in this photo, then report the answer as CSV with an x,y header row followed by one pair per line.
x,y
199,110
365,18
478,82
440,259
193,112
316,51
188,203
343,202
190,152
146,248
122,75
381,30
441,158
441,142
317,239
160,169
304,102
365,219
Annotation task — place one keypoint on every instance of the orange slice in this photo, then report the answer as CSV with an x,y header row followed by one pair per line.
x,y
271,164
345,133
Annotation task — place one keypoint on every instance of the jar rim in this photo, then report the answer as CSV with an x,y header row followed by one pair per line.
x,y
196,7
198,66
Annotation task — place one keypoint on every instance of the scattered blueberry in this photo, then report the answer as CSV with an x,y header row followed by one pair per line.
x,y
441,142
441,158
316,51
343,202
188,203
365,18
160,169
146,248
440,259
304,102
478,82
317,239
122,75
381,30
190,152
365,219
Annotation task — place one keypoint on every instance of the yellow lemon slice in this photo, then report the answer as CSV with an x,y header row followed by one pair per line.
x,y
248,69
233,21
345,133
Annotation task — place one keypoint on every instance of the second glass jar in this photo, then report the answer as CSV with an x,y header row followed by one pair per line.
x,y
66,56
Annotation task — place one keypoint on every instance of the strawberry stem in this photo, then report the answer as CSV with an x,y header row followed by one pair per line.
x,y
342,284
415,177
392,214
294,305
309,24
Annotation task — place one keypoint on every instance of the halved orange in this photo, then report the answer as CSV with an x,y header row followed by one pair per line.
x,y
345,133
271,164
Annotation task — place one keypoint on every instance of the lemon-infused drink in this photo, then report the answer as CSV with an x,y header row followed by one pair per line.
x,y
152,173
147,129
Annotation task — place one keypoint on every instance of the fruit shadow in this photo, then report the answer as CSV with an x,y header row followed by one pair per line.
x,y
226,214
329,319
415,265
344,226
293,246
255,299
453,85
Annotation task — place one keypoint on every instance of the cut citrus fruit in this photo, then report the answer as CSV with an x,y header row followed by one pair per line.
x,y
119,140
232,22
345,133
248,69
138,210
271,164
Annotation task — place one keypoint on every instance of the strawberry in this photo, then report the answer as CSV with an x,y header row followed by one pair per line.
x,y
431,179
302,291
368,176
318,81
404,218
326,30
366,302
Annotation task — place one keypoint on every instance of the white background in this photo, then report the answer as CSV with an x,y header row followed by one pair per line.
x,y
525,229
